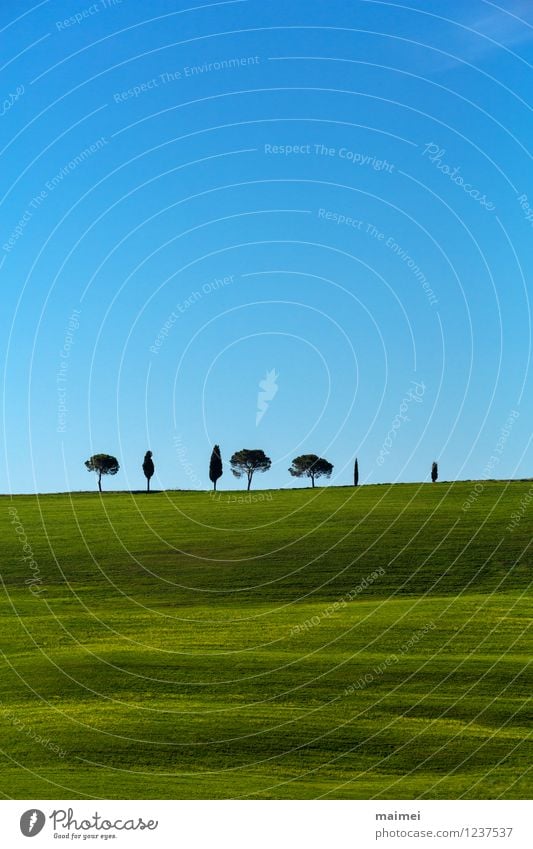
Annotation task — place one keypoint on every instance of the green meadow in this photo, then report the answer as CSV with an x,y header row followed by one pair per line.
x,y
366,642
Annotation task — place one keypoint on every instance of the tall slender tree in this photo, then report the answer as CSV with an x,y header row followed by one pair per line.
x,y
148,468
355,472
434,472
215,466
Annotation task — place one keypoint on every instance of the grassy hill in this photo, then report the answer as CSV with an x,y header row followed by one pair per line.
x,y
337,642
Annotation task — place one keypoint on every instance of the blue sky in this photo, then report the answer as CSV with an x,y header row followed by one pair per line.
x,y
333,200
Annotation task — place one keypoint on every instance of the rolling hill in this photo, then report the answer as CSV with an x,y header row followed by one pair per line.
x,y
336,643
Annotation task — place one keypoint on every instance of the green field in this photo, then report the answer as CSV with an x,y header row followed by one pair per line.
x,y
177,646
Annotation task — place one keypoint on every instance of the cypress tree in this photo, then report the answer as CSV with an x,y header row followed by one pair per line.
x,y
148,468
215,466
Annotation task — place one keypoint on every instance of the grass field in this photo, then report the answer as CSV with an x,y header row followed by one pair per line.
x,y
337,642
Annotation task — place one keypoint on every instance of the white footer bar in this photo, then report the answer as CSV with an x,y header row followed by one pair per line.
x,y
267,824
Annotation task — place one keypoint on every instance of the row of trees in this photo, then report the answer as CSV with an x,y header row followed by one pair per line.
x,y
244,463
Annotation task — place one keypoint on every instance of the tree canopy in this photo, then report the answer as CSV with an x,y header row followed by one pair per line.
x,y
249,460
102,464
310,466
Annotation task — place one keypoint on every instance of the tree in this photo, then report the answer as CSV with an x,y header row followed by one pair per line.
x,y
247,461
148,468
434,472
310,466
102,464
215,466
355,473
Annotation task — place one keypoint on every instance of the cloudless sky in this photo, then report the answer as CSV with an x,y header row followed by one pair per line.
x,y
327,198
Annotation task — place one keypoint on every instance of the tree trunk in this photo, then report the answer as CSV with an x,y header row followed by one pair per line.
x,y
313,481
249,482
214,486
100,481
147,484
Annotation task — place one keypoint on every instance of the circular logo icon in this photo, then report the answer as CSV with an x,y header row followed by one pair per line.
x,y
32,822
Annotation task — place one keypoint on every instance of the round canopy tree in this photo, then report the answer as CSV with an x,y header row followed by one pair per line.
x,y
215,466
148,468
102,464
310,466
249,460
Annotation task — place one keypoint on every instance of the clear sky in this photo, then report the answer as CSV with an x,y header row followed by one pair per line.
x,y
297,226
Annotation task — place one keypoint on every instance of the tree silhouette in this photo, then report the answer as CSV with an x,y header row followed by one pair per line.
x,y
215,466
434,472
148,468
310,466
102,464
249,460
355,472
